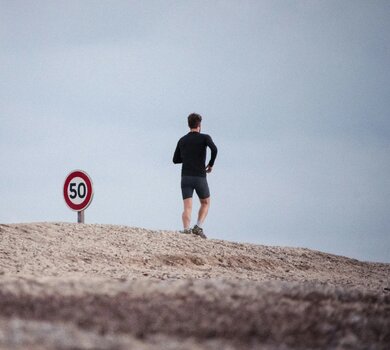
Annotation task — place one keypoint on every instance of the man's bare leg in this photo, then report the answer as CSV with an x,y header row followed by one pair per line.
x,y
203,210
187,213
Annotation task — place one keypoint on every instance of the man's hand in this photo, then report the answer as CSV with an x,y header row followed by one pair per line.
x,y
209,169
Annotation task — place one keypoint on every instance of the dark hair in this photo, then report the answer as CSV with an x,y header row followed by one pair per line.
x,y
194,120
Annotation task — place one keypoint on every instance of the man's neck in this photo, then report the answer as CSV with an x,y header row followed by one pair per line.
x,y
195,130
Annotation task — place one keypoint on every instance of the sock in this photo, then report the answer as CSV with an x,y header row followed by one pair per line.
x,y
199,224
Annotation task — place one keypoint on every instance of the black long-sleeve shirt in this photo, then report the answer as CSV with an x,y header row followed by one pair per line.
x,y
191,151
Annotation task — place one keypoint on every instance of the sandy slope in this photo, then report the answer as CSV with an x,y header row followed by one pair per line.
x,y
114,287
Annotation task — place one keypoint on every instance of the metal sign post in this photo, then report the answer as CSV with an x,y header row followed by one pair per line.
x,y
78,192
80,217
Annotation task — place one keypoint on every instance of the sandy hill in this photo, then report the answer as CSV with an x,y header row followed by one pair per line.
x,y
74,286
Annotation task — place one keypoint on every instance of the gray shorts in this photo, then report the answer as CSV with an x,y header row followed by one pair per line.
x,y
197,183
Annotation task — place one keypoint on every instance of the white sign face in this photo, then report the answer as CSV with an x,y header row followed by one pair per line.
x,y
78,190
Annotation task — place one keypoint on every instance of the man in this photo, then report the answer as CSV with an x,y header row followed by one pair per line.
x,y
191,152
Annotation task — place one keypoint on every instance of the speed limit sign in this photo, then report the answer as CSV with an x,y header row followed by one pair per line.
x,y
78,191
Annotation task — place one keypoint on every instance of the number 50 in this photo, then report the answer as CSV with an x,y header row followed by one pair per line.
x,y
81,190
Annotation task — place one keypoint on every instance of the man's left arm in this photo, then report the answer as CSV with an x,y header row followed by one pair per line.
x,y
214,151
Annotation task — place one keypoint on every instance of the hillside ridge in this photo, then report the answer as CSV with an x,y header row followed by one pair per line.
x,y
121,252
91,286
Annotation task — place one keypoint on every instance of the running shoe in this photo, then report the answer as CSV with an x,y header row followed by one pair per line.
x,y
198,231
186,231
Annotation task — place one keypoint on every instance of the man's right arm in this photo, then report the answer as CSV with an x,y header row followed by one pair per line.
x,y
177,156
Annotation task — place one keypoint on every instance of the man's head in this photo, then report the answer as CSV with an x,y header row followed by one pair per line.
x,y
194,120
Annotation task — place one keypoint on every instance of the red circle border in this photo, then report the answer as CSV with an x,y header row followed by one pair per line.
x,y
84,205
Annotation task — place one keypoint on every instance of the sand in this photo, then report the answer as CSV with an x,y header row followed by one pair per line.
x,y
76,286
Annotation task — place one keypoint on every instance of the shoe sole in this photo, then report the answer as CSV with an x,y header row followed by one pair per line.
x,y
201,235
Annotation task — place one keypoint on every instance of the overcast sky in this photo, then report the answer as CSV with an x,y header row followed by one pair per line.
x,y
295,94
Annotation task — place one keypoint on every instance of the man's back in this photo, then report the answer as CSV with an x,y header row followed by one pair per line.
x,y
191,151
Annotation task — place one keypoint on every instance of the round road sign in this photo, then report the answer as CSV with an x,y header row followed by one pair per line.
x,y
78,190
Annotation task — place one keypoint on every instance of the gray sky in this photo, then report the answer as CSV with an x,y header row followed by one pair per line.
x,y
294,93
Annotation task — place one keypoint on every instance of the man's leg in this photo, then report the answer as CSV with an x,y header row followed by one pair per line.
x,y
187,213
203,210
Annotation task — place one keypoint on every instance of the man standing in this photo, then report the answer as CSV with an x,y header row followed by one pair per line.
x,y
191,151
